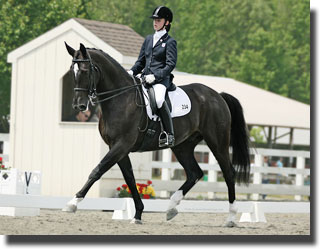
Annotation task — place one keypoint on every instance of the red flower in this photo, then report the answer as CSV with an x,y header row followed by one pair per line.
x,y
129,191
149,182
124,186
146,196
118,188
0,159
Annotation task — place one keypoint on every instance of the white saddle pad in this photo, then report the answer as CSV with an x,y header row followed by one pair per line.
x,y
180,102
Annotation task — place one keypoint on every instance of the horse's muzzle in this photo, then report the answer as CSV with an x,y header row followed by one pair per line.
x,y
81,107
80,103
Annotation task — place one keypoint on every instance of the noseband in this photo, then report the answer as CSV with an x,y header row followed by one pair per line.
x,y
92,88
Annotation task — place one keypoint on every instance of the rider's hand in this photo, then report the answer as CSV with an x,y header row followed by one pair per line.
x,y
130,72
150,79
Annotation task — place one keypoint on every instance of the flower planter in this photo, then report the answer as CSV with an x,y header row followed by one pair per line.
x,y
14,181
146,191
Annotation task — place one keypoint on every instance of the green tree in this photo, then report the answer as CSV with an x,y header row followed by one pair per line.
x,y
22,21
265,43
256,134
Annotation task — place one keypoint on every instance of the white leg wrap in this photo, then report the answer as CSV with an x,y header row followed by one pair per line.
x,y
72,205
175,199
75,201
233,209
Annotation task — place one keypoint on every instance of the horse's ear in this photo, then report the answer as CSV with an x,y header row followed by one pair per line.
x,y
71,51
83,50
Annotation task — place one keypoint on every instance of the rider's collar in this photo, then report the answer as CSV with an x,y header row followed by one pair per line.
x,y
160,33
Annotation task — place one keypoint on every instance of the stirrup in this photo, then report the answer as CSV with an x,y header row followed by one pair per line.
x,y
164,140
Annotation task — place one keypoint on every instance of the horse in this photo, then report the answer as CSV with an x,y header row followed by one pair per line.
x,y
216,118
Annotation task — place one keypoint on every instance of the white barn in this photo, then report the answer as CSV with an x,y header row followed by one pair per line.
x,y
66,152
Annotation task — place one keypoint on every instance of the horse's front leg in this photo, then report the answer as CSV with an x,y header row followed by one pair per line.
x,y
126,169
115,154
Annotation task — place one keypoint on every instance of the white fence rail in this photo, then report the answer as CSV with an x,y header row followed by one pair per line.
x,y
158,205
221,187
124,207
297,188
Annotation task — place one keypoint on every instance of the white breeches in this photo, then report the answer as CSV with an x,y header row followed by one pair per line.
x,y
160,93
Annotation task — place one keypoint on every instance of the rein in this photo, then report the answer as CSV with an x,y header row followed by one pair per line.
x,y
92,89
120,90
94,95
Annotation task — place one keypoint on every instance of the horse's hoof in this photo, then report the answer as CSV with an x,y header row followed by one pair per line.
x,y
136,221
230,224
70,208
171,213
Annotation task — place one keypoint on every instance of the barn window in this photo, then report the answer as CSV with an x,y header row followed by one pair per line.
x,y
68,114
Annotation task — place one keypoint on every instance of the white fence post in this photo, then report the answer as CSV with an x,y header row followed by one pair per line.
x,y
299,177
6,147
257,176
165,172
212,174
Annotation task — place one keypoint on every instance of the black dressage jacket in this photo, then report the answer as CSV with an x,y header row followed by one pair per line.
x,y
159,60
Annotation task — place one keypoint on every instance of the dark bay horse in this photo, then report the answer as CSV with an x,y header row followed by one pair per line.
x,y
215,118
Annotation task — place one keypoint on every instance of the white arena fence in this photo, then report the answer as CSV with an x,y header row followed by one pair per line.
x,y
25,199
297,175
124,207
16,182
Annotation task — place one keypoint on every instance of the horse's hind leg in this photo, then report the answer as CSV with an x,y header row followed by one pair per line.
x,y
126,169
185,155
229,176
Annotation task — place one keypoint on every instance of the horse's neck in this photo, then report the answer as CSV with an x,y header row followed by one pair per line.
x,y
113,77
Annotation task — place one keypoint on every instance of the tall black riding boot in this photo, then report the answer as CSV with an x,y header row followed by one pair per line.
x,y
168,126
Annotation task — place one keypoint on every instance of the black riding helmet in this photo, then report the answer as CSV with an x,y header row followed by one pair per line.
x,y
163,12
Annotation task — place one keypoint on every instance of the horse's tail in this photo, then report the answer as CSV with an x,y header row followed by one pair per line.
x,y
239,139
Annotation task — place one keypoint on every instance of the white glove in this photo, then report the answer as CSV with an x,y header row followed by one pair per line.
x,y
150,79
130,72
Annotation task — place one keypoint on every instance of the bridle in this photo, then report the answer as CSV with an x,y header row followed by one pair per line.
x,y
92,88
93,95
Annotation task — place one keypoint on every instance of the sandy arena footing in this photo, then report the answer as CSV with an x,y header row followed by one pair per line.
x,y
54,222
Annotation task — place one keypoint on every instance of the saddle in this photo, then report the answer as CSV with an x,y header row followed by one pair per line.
x,y
163,137
179,104
152,97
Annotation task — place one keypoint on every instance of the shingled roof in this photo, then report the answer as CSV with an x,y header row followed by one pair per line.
x,y
121,37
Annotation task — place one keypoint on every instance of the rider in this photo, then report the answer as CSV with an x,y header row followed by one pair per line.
x,y
158,57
